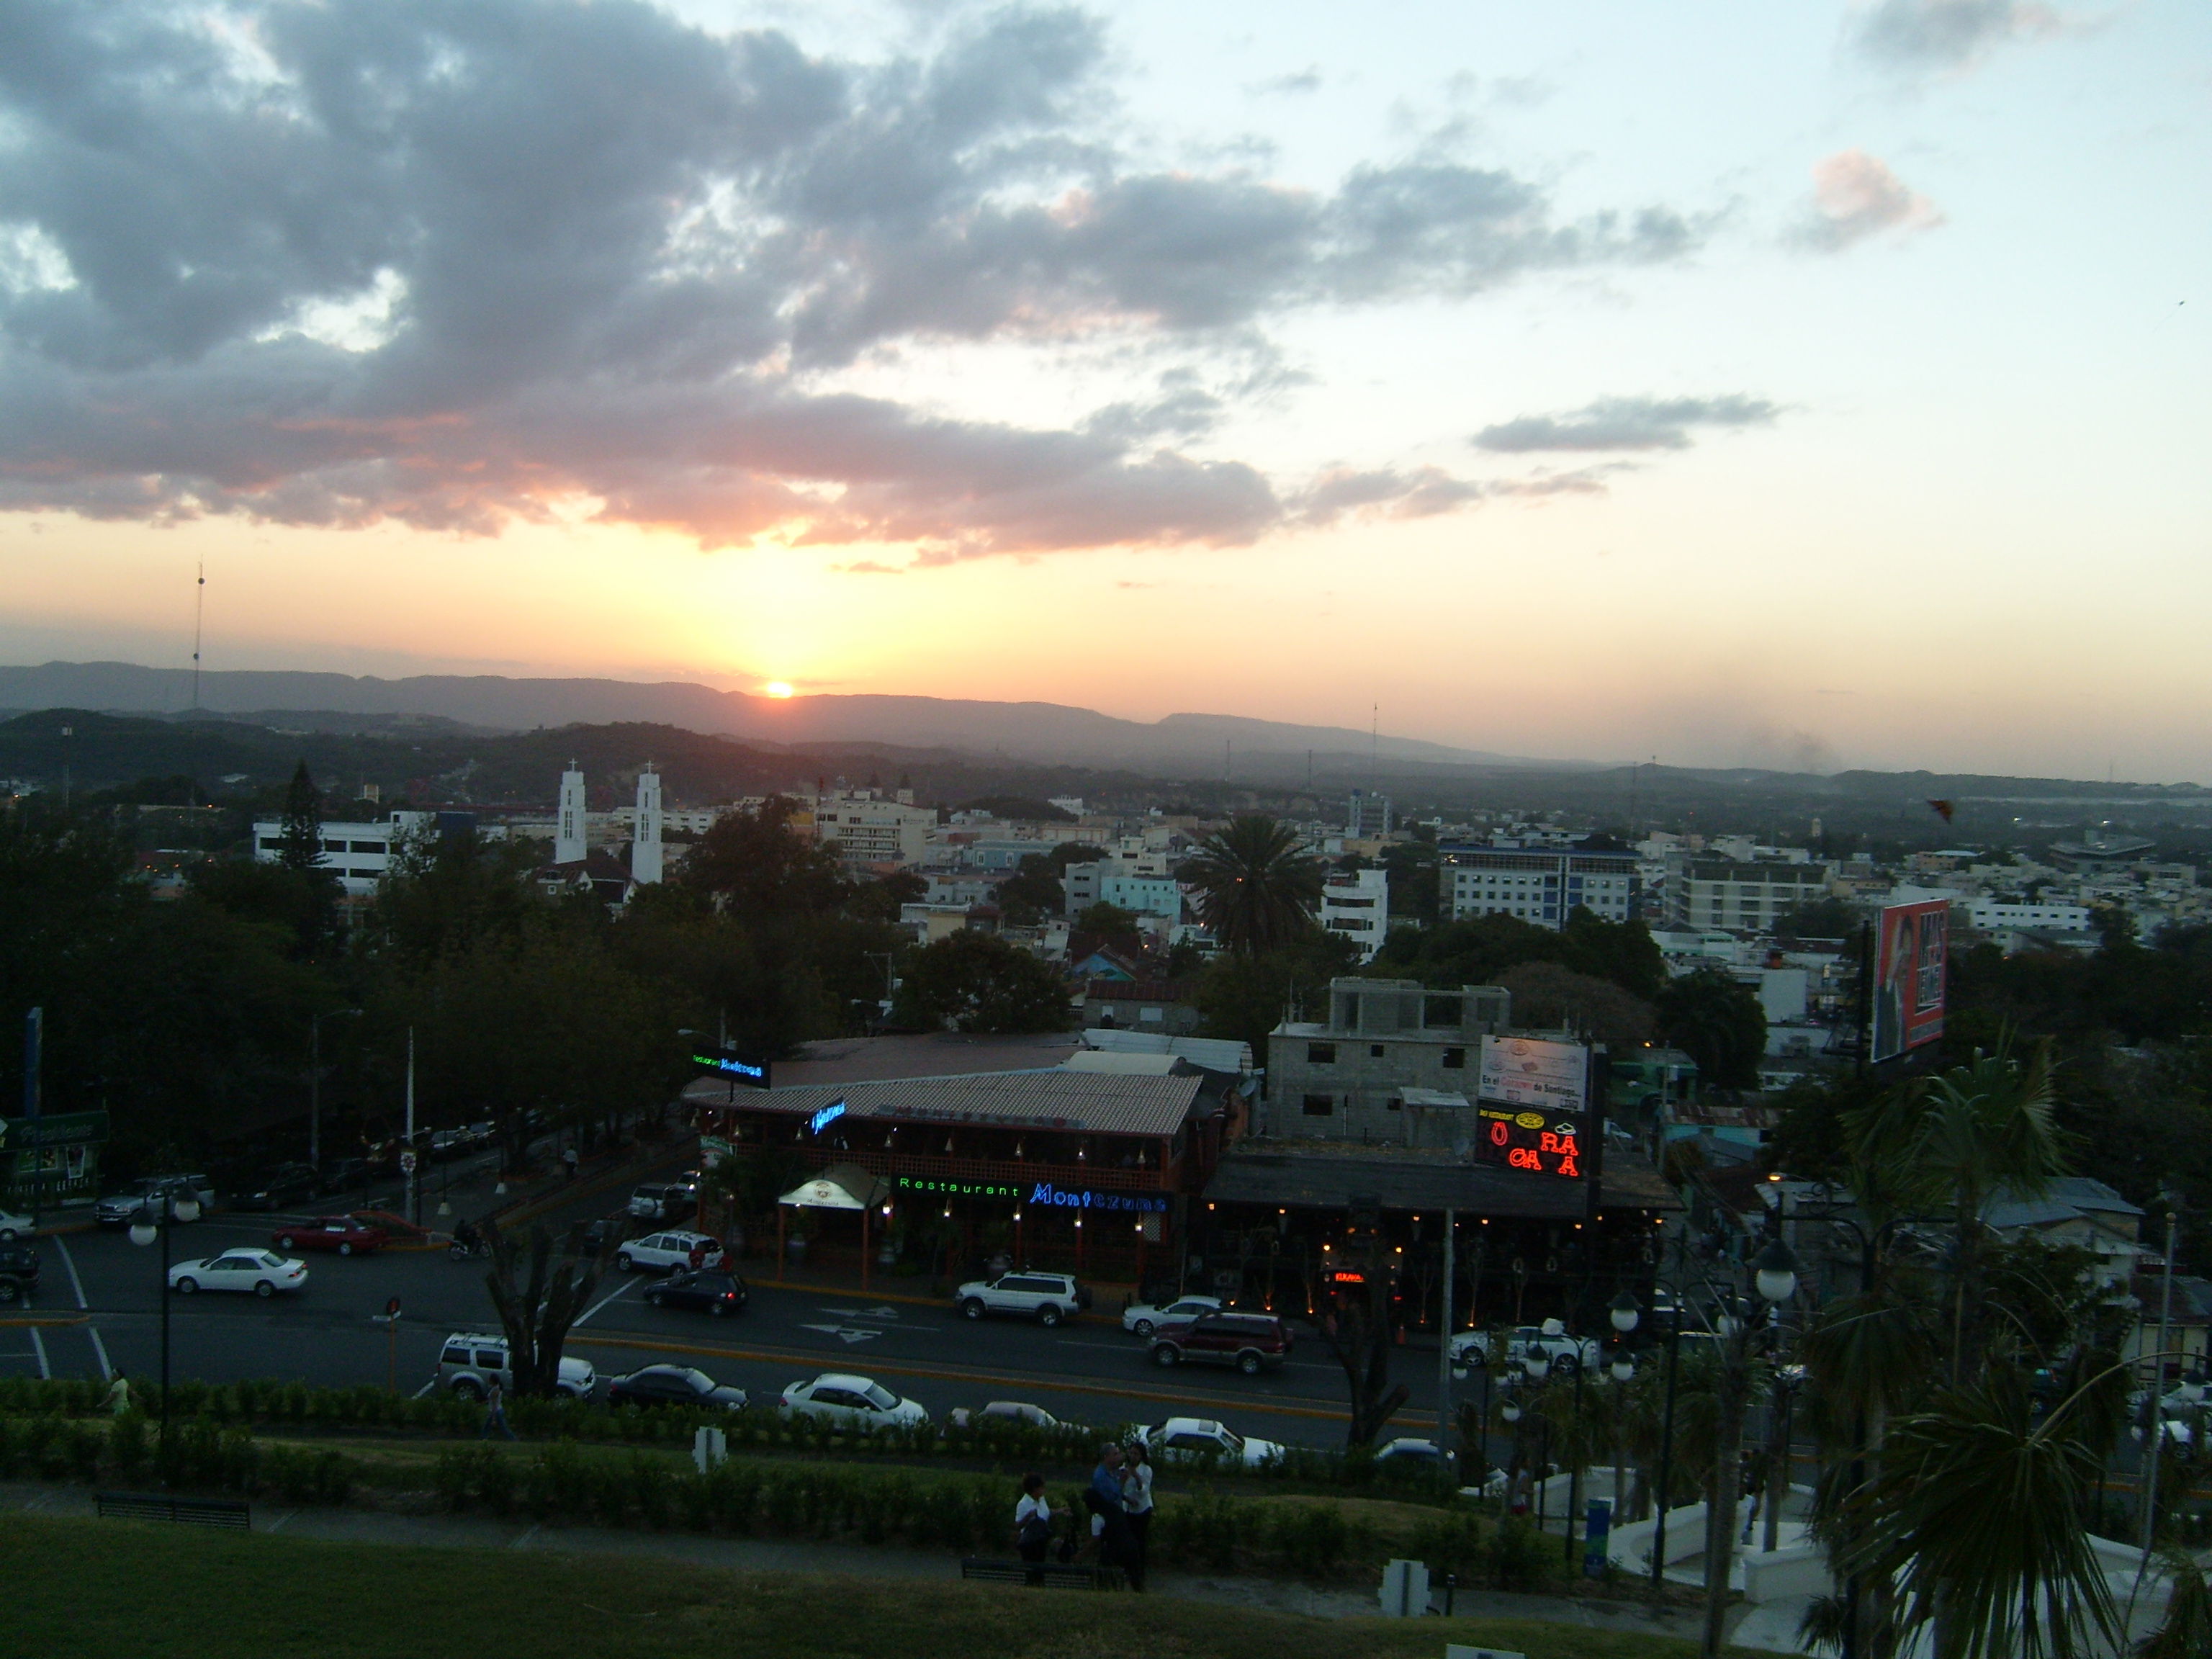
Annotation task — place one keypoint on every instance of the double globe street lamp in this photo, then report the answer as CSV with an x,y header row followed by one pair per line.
x,y
160,1213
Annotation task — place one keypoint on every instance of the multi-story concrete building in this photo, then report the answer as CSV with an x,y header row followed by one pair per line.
x,y
1345,1078
1745,897
1368,816
359,855
1357,905
1144,895
1539,884
865,829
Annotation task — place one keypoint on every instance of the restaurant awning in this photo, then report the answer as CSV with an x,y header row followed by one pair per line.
x,y
840,1187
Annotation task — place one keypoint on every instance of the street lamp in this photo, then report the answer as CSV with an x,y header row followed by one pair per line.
x,y
1623,1312
1776,1271
156,1216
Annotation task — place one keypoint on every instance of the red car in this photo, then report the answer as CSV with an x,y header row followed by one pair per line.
x,y
341,1233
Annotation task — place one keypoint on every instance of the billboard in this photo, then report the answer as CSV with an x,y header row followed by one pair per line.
x,y
1532,1101
1912,949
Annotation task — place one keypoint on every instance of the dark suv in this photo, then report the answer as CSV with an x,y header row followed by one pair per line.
x,y
1250,1342
19,1273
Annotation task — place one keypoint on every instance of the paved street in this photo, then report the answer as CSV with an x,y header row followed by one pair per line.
x,y
105,1292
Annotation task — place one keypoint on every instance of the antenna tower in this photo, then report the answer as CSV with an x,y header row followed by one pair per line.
x,y
199,619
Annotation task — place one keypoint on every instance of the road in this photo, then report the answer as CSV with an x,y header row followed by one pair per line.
x,y
102,1294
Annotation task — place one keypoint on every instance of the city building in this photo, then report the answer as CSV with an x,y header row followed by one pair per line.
x,y
645,859
1537,884
1344,1078
868,831
1368,816
1744,896
570,839
359,854
1357,905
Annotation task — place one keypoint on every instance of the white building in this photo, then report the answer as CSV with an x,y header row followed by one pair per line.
x,y
645,863
1537,884
1992,915
359,855
1357,905
569,835
866,830
1744,896
1144,895
1368,817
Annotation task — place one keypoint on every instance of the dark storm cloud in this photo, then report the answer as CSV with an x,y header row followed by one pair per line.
x,y
456,262
1624,423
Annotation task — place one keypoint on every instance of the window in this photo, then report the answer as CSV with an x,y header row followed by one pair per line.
x,y
491,1359
1373,1051
1394,1104
370,847
272,843
1455,1060
1320,1106
1320,1054
454,1356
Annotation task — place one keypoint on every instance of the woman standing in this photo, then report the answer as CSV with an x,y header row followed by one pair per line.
x,y
1033,1524
1137,1500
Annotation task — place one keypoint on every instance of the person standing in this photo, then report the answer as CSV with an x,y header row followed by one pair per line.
x,y
1033,1524
570,1160
118,1395
1109,1515
494,1413
1137,1500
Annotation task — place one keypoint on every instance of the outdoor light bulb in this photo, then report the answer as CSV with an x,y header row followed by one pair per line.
x,y
142,1233
1460,1373
1623,1370
1778,1272
1511,1413
1623,1313
187,1209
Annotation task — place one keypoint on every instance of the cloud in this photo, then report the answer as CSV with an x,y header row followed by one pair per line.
x,y
462,263
1624,423
1947,34
1856,196
1305,79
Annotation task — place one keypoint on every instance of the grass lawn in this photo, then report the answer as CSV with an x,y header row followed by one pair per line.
x,y
118,1590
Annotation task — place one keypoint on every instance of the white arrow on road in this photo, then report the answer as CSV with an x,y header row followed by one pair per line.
x,y
861,1312
846,1332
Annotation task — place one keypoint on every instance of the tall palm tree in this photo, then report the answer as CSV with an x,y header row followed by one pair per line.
x,y
1258,887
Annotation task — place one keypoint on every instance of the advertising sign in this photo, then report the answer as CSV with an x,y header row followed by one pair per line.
x,y
749,1070
1912,950
1524,1072
1542,1143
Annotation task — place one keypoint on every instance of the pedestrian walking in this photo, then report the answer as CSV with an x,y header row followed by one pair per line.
x,y
118,1395
1033,1524
495,1414
1137,1502
570,1160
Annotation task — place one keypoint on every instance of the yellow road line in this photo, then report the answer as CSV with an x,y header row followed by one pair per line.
x,y
805,1357
48,1320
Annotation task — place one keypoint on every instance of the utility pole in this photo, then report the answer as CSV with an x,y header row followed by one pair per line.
x,y
414,1197
2158,1381
35,1049
1443,1349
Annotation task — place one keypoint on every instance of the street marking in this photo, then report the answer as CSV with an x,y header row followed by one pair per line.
x,y
46,1372
277,1525
100,1352
850,1333
858,1313
584,1316
69,1261
426,1388
1261,1403
526,1536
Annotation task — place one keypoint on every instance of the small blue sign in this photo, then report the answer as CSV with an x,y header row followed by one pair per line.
x,y
828,1115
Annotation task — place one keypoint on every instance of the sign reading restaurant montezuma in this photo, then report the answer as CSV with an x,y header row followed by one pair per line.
x,y
1531,1099
1042,1192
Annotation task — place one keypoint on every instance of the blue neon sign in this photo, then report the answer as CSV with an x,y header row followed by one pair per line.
x,y
731,1064
828,1115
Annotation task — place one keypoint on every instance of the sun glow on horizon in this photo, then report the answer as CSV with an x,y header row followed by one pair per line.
x,y
777,688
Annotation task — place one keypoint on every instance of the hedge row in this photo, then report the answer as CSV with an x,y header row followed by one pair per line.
x,y
200,1456
297,1405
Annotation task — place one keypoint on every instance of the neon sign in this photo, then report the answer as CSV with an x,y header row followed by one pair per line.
x,y
1540,1143
729,1063
828,1115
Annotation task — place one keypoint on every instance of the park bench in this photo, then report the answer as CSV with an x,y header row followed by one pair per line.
x,y
1050,1574
161,1506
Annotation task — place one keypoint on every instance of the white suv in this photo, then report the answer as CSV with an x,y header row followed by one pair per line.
x,y
1046,1297
1548,1341
666,1251
471,1362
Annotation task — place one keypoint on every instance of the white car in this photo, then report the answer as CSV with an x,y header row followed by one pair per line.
x,y
857,1402
1003,1411
472,1361
13,1227
1195,1436
1407,1453
1142,1320
1549,1340
1046,1297
265,1273
666,1251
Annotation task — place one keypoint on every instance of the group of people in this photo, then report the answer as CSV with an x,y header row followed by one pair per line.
x,y
1119,1501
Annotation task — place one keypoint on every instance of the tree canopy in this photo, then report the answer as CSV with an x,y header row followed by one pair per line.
x,y
1257,886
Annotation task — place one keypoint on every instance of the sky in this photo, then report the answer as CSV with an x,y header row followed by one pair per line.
x,y
1805,385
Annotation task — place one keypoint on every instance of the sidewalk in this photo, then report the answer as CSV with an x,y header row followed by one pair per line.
x,y
352,1526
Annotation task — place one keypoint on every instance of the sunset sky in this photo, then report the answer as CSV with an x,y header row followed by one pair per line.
x,y
1805,385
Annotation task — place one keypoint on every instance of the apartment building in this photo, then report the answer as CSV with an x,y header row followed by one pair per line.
x,y
1357,905
866,830
1537,884
1368,816
1744,896
359,855
1346,1077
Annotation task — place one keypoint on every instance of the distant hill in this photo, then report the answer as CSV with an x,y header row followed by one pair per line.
x,y
1198,745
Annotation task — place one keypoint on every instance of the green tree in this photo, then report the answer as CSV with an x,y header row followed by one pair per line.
x,y
300,839
1108,921
1244,998
1258,887
1717,1023
538,1296
976,982
758,869
1032,892
1555,997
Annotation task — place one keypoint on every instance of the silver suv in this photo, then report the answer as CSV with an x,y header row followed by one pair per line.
x,y
1046,1297
470,1362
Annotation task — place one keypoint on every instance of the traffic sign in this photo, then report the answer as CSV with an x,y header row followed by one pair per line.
x,y
407,1162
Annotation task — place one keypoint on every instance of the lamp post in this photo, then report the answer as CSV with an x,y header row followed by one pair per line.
x,y
315,1082
1666,1449
161,1212
2158,1376
1624,1314
1774,1276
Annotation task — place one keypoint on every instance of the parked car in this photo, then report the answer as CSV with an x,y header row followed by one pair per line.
x,y
1182,1438
19,1273
124,1208
1046,1297
855,1401
673,1385
470,1362
1406,1453
449,1143
1142,1319
345,1174
1003,1411
14,1226
342,1235
658,1201
262,1271
1250,1342
275,1189
603,1234
710,1290
666,1251
1560,1352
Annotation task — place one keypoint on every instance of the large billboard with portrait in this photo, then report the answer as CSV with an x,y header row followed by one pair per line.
x,y
1910,957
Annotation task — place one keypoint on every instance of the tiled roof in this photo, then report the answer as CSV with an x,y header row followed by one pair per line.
x,y
1087,1103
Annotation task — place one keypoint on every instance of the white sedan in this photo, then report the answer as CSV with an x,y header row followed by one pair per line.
x,y
1183,1437
13,1227
1142,1320
854,1401
265,1273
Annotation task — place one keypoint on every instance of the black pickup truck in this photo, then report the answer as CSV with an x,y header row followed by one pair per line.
x,y
19,1273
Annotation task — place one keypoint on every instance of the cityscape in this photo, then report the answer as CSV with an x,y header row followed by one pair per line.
x,y
809,818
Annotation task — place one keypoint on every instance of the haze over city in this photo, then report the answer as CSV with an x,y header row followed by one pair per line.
x,y
1808,387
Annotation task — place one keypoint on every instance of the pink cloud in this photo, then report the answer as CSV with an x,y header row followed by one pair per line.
x,y
1856,196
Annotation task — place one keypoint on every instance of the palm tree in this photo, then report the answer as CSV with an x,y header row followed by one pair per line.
x,y
1257,885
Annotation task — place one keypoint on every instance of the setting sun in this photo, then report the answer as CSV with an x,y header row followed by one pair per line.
x,y
778,688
